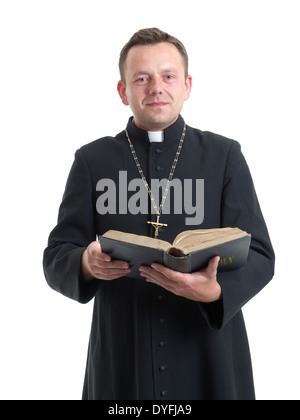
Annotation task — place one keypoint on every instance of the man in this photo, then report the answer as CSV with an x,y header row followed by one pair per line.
x,y
166,335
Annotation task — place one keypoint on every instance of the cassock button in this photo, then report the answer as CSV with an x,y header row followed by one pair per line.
x,y
158,151
162,368
159,168
161,320
161,343
164,393
160,297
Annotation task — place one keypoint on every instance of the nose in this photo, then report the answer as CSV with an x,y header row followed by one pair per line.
x,y
155,86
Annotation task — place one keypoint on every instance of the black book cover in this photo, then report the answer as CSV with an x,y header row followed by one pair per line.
x,y
233,254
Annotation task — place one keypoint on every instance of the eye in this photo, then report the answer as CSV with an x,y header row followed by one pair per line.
x,y
169,77
142,80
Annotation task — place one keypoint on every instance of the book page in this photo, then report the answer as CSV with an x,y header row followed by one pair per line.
x,y
192,240
137,239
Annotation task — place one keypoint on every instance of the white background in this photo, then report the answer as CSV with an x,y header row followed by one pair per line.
x,y
58,91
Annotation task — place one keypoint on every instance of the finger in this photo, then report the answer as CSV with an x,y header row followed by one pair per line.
x,y
153,276
150,272
161,281
113,264
110,274
167,272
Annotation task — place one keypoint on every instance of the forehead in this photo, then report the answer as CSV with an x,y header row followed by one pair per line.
x,y
151,56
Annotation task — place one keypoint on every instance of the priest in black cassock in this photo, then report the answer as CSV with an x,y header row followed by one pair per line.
x,y
166,335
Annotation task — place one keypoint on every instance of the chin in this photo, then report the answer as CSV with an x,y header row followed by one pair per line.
x,y
156,121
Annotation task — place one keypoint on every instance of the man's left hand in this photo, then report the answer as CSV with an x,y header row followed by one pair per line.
x,y
201,286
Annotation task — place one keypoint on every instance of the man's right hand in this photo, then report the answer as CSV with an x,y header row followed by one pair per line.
x,y
97,265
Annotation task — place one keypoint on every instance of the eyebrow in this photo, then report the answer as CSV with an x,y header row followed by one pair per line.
x,y
166,70
139,73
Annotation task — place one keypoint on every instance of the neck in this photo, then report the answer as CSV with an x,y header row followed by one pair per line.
x,y
160,127
170,134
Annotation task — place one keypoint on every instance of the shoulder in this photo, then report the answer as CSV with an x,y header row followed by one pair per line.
x,y
210,139
102,143
101,147
212,145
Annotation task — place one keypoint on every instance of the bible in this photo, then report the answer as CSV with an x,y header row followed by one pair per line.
x,y
191,250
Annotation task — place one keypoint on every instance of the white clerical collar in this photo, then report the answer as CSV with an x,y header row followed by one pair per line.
x,y
156,136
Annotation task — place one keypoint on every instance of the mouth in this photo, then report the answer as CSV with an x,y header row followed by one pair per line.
x,y
157,104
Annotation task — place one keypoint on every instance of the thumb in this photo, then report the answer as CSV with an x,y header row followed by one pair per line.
x,y
94,249
213,265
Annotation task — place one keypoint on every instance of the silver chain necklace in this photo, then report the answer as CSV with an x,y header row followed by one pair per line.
x,y
157,225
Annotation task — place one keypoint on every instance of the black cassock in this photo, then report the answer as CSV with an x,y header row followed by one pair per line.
x,y
145,342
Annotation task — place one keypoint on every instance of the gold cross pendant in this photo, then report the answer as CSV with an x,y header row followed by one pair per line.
x,y
157,225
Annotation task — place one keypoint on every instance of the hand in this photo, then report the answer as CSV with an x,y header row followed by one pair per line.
x,y
201,286
97,265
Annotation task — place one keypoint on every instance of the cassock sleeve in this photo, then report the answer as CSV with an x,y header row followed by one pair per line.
x,y
74,231
240,208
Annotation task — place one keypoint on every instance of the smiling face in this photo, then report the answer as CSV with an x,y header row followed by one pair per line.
x,y
155,85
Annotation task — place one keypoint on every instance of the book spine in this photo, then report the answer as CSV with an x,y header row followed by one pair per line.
x,y
182,264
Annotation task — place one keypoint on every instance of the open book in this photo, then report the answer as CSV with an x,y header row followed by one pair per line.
x,y
191,250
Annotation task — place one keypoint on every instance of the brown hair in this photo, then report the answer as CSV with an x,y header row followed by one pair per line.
x,y
147,37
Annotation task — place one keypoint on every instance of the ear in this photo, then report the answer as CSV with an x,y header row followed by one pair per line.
x,y
188,87
122,92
